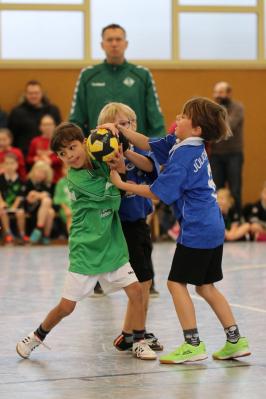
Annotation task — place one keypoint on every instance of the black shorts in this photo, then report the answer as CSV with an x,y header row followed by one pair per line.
x,y
138,238
196,266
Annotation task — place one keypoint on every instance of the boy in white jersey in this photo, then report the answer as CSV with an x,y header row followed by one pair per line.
x,y
186,183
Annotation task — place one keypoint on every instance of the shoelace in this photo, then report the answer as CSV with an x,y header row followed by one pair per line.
x,y
141,347
27,341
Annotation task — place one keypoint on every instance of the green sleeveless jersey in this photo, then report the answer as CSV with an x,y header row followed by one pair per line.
x,y
96,241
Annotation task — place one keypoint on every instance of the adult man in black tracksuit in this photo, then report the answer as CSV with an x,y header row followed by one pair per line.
x,y
25,118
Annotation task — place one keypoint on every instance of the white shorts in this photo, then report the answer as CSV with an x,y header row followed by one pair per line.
x,y
78,286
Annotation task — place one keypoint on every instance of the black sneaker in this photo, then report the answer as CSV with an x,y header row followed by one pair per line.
x,y
153,342
154,293
121,344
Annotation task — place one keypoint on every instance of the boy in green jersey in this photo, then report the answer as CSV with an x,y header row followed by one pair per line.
x,y
98,250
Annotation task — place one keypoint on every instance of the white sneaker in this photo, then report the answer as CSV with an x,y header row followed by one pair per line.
x,y
142,350
28,344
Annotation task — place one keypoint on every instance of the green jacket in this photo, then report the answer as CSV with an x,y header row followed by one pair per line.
x,y
127,83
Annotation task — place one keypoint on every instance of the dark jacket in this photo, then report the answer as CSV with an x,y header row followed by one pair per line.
x,y
24,122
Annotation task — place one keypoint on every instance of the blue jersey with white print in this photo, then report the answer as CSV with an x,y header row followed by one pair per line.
x,y
186,182
133,207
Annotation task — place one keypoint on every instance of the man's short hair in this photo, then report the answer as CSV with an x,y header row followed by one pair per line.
x,y
113,26
64,134
33,83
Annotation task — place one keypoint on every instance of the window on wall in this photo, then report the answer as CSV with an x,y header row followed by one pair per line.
x,y
161,32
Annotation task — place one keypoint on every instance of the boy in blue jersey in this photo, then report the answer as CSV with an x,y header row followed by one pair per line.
x,y
141,168
186,182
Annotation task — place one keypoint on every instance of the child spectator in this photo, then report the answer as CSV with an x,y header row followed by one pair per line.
x,y
255,214
39,193
11,199
234,230
6,139
40,148
62,199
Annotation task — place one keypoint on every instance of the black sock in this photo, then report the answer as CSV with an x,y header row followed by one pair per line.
x,y
192,336
128,337
232,334
41,333
138,335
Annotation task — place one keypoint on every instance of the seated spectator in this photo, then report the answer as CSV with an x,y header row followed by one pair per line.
x,y
234,229
62,200
38,203
255,214
11,201
40,148
6,147
24,119
3,119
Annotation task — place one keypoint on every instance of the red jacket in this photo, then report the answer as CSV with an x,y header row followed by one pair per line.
x,y
21,161
42,143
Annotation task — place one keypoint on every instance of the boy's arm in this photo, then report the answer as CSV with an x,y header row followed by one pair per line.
x,y
139,140
142,190
140,161
16,203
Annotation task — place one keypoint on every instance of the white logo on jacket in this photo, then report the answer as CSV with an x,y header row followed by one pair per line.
x,y
128,81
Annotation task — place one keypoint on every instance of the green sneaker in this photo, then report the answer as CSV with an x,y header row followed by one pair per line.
x,y
232,351
185,353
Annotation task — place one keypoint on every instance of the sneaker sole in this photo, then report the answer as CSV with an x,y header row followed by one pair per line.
x,y
234,356
18,352
145,358
196,358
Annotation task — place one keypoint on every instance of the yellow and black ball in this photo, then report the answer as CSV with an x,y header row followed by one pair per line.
x,y
102,145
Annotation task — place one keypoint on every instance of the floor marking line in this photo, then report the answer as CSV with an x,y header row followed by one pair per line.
x,y
236,305
174,369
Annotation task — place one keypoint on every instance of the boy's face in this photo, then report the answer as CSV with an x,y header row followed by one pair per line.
x,y
184,128
5,141
10,165
74,155
123,120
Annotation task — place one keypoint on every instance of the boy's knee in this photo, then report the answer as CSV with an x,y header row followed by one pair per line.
x,y
46,201
135,293
204,290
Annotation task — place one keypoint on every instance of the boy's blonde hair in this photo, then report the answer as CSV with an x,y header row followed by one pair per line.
x,y
41,165
210,116
110,111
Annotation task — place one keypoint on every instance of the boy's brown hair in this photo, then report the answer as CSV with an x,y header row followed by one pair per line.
x,y
210,116
64,134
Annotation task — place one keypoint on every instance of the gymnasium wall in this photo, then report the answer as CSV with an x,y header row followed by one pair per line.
x,y
174,87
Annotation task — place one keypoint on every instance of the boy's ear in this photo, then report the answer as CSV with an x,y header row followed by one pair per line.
x,y
85,141
197,131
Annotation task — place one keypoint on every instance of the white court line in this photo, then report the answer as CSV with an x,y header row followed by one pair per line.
x,y
235,305
245,267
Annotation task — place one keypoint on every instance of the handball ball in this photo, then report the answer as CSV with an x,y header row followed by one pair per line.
x,y
102,145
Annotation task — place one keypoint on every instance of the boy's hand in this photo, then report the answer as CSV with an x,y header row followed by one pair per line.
x,y
110,126
118,163
116,179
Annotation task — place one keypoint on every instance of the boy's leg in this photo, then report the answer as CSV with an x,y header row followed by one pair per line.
x,y
20,217
140,348
193,349
8,238
236,346
49,222
34,339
